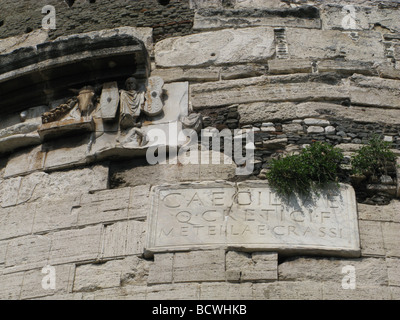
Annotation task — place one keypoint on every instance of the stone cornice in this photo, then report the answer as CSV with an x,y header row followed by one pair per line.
x,y
35,75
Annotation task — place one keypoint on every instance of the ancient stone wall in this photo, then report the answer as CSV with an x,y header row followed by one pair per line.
x,y
173,19
78,196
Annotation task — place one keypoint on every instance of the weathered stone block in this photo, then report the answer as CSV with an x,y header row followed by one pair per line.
x,y
284,66
395,291
334,291
375,97
391,238
64,296
25,162
330,130
328,44
258,4
16,141
123,238
374,91
161,271
68,154
265,112
275,144
264,267
292,127
135,271
143,175
121,293
316,122
113,240
371,238
337,16
179,291
315,129
346,67
9,191
387,71
209,172
64,128
29,184
226,291
259,266
54,186
390,212
3,250
94,277
103,206
84,180
196,4
32,284
349,148
235,262
261,89
16,221
220,19
135,237
191,74
56,214
393,270
119,279
139,204
66,246
10,286
198,266
288,290
242,71
369,271
28,252
227,46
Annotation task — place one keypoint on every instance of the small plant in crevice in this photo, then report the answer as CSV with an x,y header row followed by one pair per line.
x,y
374,159
314,167
374,164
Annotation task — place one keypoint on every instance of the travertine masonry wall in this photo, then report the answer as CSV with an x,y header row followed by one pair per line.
x,y
291,74
94,239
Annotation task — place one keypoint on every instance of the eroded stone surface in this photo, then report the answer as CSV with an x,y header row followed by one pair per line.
x,y
369,271
216,48
335,16
266,89
323,44
218,19
264,112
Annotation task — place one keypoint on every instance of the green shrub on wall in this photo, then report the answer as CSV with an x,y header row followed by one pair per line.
x,y
315,166
373,159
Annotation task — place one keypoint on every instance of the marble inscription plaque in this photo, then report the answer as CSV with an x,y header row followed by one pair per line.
x,y
250,216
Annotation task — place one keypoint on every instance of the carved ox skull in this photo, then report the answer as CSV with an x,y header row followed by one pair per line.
x,y
86,100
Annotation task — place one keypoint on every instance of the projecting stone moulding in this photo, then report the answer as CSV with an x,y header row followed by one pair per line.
x,y
39,74
249,216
